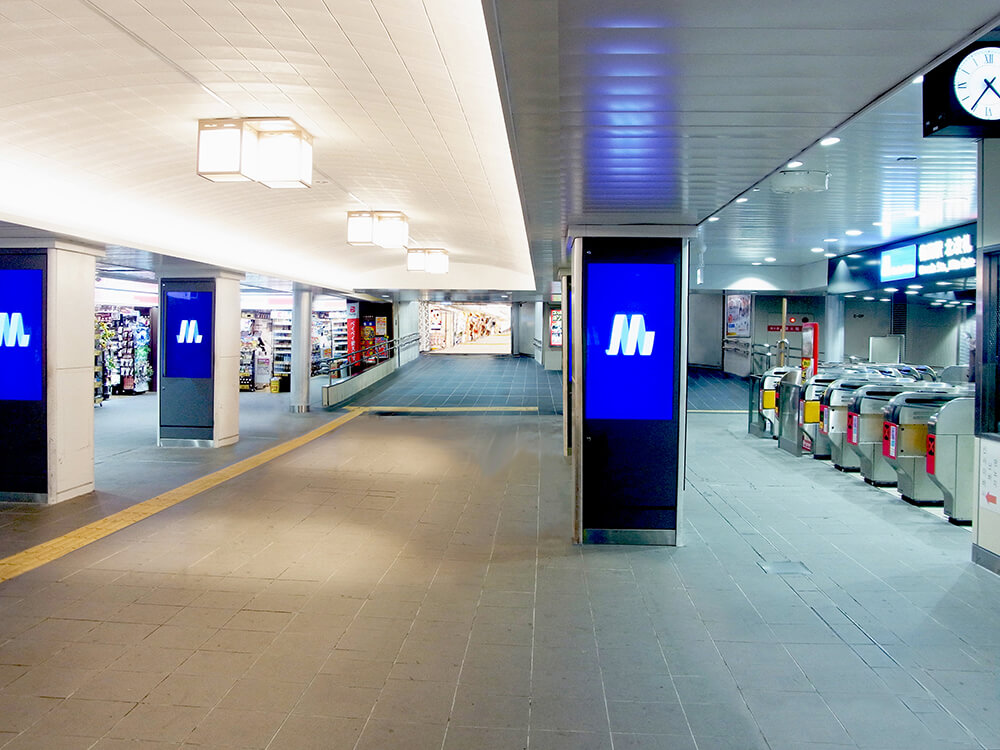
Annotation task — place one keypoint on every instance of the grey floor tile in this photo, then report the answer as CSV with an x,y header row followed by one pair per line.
x,y
796,716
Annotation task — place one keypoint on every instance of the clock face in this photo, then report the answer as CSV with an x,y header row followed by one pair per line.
x,y
977,83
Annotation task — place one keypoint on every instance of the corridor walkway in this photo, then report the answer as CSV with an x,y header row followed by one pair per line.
x,y
407,582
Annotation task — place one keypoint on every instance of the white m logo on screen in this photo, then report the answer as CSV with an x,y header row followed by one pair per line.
x,y
189,333
629,334
12,330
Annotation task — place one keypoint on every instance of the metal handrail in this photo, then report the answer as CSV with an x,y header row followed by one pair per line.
x,y
344,363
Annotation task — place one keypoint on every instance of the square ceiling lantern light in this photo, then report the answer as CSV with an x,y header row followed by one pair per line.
x,y
416,259
227,150
437,261
391,229
359,227
274,151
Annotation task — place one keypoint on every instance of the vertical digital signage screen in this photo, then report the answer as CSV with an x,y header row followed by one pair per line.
x,y
187,334
630,338
21,337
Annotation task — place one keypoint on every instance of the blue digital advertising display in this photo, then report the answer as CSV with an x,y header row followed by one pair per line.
x,y
631,330
21,337
898,263
187,334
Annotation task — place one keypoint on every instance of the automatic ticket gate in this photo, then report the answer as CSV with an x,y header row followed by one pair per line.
x,y
904,442
810,409
769,398
951,457
834,404
864,427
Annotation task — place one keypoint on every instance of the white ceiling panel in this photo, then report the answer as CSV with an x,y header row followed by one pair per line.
x,y
100,99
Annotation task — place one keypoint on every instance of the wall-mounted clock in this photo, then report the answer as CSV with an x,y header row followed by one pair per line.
x,y
962,95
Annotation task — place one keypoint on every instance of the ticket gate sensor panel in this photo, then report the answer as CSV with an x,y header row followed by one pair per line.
x,y
904,444
951,458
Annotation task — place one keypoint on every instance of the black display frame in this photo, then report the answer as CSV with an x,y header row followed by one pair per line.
x,y
630,478
24,460
187,404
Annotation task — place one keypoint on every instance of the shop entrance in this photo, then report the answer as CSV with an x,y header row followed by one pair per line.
x,y
465,328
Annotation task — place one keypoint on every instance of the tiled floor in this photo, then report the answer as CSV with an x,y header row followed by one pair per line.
x,y
458,380
714,390
406,582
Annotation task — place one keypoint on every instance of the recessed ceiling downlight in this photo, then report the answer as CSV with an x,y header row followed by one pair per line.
x,y
830,141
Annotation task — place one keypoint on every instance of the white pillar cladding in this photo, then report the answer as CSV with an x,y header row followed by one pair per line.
x,y
302,301
986,523
69,365
833,329
227,359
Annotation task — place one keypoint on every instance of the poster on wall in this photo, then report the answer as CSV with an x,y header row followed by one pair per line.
x,y
381,326
737,315
368,338
555,328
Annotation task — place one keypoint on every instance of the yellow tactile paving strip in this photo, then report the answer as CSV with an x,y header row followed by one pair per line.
x,y
40,554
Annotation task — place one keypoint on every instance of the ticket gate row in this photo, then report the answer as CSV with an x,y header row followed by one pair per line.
x,y
894,424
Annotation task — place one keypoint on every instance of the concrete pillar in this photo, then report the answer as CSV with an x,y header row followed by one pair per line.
x,y
49,392
302,300
515,328
833,329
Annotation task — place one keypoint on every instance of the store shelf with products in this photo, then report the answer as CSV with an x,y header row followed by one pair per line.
x,y
256,344
329,338
281,327
128,354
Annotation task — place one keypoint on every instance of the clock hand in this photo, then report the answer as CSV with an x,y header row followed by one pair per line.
x,y
988,87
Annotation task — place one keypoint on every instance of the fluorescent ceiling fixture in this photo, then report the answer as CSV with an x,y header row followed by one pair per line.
x,y
817,249
936,304
853,232
391,229
891,289
944,283
742,200
968,304
876,223
854,255
868,299
416,259
756,263
274,151
713,218
829,255
794,164
437,261
850,296
914,286
918,80
359,227
912,291
831,141
770,260
885,299
831,239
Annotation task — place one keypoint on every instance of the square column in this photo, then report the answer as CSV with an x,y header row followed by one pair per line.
x,y
47,366
199,361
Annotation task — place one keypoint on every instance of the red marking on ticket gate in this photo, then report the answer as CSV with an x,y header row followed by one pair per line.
x,y
824,416
991,499
852,428
931,438
889,439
